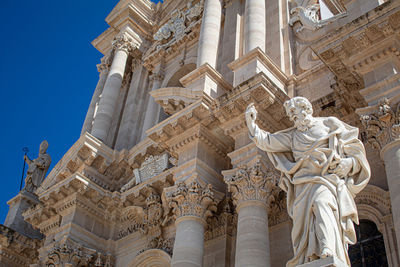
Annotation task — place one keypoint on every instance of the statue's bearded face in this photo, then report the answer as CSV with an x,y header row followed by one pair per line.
x,y
299,110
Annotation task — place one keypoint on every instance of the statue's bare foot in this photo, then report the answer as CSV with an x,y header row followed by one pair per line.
x,y
326,252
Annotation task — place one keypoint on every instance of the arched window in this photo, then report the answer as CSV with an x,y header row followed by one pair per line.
x,y
369,251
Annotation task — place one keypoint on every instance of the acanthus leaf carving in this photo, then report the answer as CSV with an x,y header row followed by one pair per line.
x,y
252,183
381,126
192,200
123,42
64,254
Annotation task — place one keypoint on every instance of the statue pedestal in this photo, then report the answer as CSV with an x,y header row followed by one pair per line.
x,y
327,262
15,220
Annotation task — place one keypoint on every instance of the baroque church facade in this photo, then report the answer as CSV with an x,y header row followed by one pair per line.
x,y
164,172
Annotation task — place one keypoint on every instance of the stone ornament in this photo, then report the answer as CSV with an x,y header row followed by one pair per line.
x,y
252,183
324,166
105,63
148,220
192,200
178,25
75,255
37,168
152,166
307,13
383,125
13,243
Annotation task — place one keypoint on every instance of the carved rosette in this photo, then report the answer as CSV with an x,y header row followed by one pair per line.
x,y
382,126
252,183
123,42
192,200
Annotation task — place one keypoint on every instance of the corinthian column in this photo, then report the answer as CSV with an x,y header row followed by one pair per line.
x,y
152,111
191,205
254,30
383,132
252,190
102,122
209,33
103,69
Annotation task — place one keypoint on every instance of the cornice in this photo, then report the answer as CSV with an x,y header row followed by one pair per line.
x,y
262,57
259,90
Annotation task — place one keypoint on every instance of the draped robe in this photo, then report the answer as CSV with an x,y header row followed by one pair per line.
x,y
320,203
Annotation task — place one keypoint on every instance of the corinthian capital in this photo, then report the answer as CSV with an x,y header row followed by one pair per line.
x,y
382,126
123,42
192,200
252,183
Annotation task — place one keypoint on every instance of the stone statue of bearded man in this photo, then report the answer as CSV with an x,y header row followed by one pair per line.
x,y
323,165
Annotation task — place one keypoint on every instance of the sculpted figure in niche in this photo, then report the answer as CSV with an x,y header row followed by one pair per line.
x,y
323,165
37,168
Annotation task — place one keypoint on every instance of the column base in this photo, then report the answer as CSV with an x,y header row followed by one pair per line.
x,y
327,262
254,62
206,79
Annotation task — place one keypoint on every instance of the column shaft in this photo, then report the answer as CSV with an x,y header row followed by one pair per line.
x,y
391,156
189,243
209,33
87,125
252,241
152,110
254,30
108,101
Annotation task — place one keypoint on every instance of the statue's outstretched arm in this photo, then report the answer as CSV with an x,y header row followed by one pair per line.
x,y
270,142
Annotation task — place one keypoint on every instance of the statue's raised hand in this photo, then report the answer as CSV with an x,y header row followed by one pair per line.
x,y
251,116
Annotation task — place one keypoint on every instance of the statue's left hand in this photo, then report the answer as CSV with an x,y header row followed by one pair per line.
x,y
343,168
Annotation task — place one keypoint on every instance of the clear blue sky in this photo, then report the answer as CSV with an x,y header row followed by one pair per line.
x,y
47,77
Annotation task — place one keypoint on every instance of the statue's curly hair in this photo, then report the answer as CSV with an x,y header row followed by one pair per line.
x,y
298,101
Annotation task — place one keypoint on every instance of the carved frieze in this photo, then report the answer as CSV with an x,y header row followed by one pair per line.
x,y
76,255
382,126
17,249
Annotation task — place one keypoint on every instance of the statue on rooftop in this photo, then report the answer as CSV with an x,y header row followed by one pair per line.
x,y
323,165
37,168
